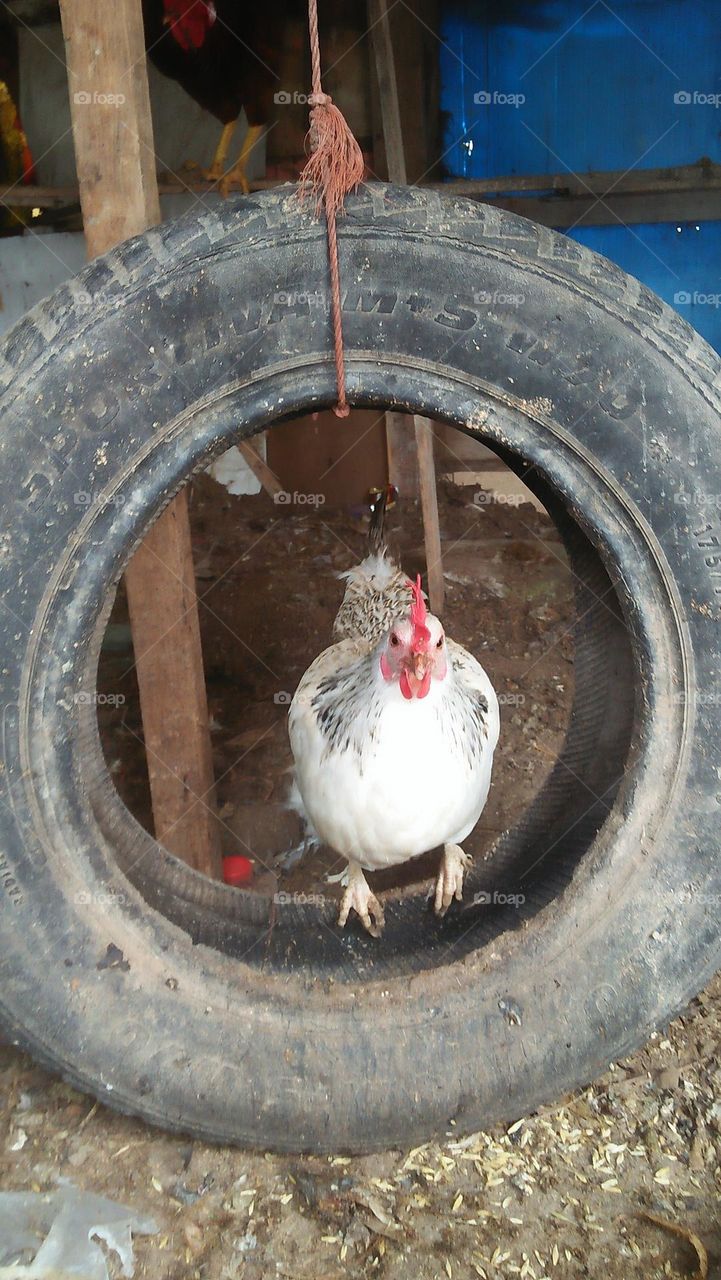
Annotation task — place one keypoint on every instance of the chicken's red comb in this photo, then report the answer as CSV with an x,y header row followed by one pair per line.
x,y
189,21
419,613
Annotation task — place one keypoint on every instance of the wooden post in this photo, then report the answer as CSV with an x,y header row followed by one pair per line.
x,y
429,509
402,455
402,464
380,30
262,472
115,158
408,474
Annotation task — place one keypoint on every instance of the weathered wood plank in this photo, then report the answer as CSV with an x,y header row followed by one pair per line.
x,y
429,506
116,166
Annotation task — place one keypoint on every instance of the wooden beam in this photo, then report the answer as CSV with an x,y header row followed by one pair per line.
x,y
705,174
429,506
613,210
27,196
385,64
699,205
119,196
402,455
163,606
262,472
409,473
410,31
684,193
402,463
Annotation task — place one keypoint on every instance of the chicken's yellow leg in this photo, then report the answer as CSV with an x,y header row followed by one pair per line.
x,y
217,168
236,175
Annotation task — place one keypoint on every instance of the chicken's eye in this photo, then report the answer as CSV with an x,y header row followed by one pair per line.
x,y
394,640
439,643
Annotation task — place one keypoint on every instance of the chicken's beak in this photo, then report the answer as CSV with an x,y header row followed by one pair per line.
x,y
420,662
417,675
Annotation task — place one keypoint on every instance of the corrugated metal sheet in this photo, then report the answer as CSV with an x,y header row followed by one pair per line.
x,y
551,87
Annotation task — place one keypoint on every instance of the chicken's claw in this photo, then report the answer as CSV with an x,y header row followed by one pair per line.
x,y
359,898
449,884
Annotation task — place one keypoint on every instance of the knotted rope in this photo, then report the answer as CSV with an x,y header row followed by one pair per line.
x,y
334,167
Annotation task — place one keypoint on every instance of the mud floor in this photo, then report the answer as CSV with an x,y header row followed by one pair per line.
x,y
621,1181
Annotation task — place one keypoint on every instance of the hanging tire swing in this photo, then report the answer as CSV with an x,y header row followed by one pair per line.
x,y
136,374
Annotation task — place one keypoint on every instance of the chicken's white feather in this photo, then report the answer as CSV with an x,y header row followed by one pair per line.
x,y
385,773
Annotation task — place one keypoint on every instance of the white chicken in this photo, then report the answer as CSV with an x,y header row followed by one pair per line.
x,y
392,730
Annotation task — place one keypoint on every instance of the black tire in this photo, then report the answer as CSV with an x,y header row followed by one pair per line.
x,y
128,379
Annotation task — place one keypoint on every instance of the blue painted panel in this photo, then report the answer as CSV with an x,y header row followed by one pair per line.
x,y
598,88
547,86
682,266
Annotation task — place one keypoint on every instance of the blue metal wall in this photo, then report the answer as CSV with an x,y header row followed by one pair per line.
x,y
554,86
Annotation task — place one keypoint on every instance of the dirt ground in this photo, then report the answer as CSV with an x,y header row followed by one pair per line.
x,y
580,1190
610,1183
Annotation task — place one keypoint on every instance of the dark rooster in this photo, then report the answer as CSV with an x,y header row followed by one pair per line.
x,y
224,54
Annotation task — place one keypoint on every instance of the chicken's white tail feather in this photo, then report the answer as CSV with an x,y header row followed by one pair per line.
x,y
374,573
309,839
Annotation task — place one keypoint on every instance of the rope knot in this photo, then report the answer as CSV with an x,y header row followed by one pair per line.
x,y
334,167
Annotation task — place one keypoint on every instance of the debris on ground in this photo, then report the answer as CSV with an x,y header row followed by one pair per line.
x,y
46,1236
619,1181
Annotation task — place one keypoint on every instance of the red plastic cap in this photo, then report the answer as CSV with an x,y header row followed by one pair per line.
x,y
237,869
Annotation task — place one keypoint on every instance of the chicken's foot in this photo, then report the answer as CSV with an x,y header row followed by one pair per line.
x,y
236,175
358,897
217,168
449,884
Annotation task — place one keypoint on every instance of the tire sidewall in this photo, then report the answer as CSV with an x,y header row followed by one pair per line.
x,y
131,379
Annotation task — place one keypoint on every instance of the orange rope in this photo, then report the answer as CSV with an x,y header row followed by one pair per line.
x,y
334,167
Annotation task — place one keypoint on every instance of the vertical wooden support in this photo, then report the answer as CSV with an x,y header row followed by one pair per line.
x,y
380,29
408,478
429,509
113,137
402,455
262,472
402,464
